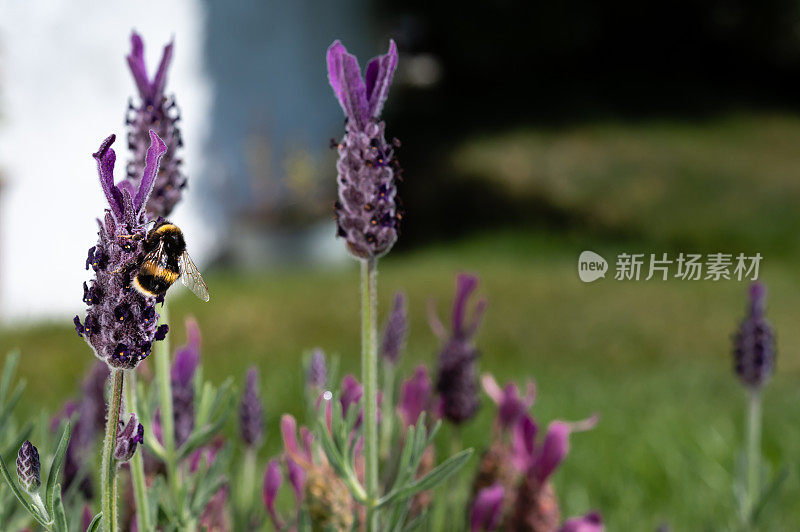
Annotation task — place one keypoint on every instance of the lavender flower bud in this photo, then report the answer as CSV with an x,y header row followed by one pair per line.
x,y
181,376
317,374
457,381
754,342
29,470
367,214
120,323
128,436
251,417
394,335
160,113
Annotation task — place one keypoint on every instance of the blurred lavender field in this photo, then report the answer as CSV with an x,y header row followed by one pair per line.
x,y
646,146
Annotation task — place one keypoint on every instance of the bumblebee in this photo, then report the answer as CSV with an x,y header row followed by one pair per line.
x,y
164,260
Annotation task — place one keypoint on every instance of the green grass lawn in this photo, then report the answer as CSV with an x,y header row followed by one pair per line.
x,y
651,357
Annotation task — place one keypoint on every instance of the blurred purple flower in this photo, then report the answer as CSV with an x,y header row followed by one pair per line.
x,y
317,374
394,334
487,509
754,342
297,478
90,419
367,215
591,522
511,405
29,469
157,112
181,375
415,396
128,436
120,323
457,380
351,393
251,415
540,461
272,483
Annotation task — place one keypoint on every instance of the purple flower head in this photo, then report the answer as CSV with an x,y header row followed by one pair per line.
x,y
367,214
511,405
182,375
457,381
754,342
272,483
394,335
415,396
128,436
487,509
251,413
120,323
160,113
351,393
540,461
317,374
591,522
29,469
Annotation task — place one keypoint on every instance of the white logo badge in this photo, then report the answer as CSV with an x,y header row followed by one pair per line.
x,y
591,266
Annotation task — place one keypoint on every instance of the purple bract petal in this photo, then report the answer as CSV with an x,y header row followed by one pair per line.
x,y
157,149
272,483
378,78
487,508
297,478
106,158
556,446
591,522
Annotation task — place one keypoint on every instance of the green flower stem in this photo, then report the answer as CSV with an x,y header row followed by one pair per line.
x,y
162,371
109,464
369,379
137,466
39,504
753,450
248,480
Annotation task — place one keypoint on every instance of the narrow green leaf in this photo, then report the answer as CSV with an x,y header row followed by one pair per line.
x,y
60,517
436,476
18,494
12,402
9,368
766,495
95,524
55,468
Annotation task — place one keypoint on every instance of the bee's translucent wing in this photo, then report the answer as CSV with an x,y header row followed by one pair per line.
x,y
191,278
156,257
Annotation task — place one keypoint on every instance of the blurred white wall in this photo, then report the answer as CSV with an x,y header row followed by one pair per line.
x,y
64,87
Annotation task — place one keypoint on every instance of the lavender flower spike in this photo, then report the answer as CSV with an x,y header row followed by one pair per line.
x,y
120,323
754,342
394,335
317,374
160,113
457,380
367,213
128,436
181,376
29,469
251,417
